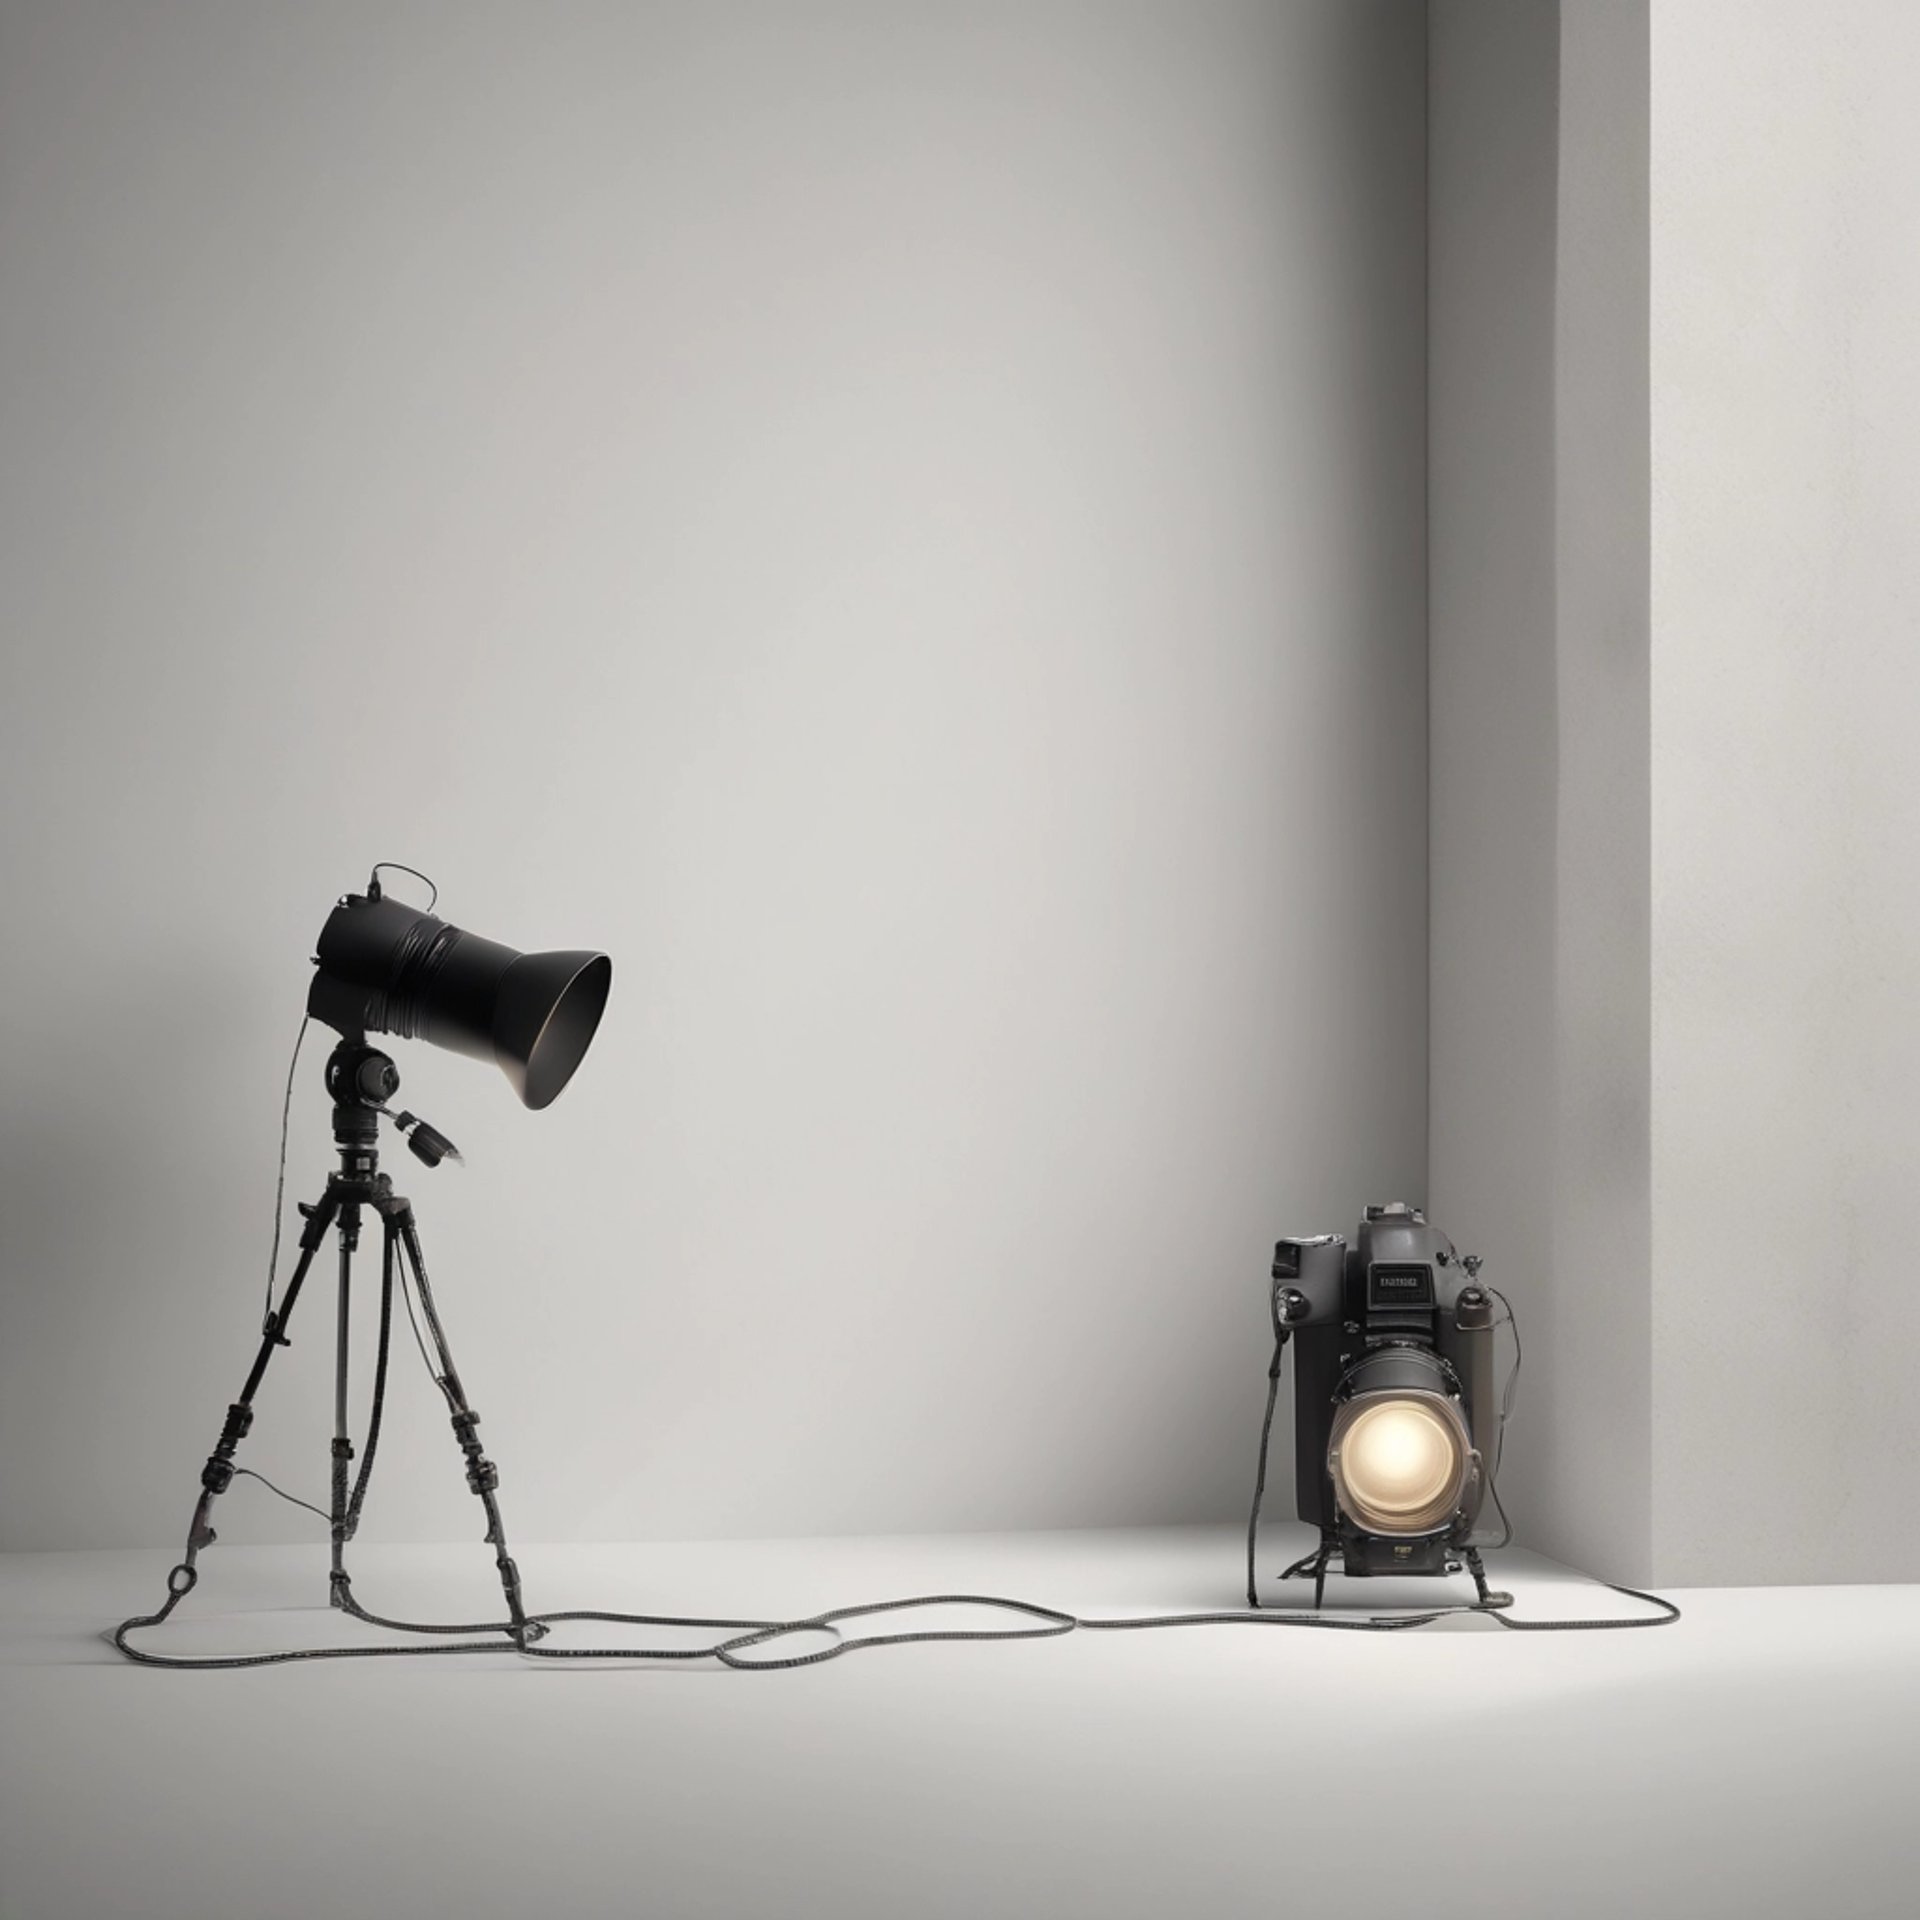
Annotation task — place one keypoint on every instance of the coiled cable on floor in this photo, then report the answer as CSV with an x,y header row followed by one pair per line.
x,y
738,1637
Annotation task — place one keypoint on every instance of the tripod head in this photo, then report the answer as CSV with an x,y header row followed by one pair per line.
x,y
361,1076
361,1080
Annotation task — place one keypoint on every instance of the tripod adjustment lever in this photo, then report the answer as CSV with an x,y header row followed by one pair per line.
x,y
427,1144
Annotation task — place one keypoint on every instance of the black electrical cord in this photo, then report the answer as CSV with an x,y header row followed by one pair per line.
x,y
396,866
280,1175
1506,1413
1512,1386
1260,1466
1499,1507
1667,1615
293,1499
741,1636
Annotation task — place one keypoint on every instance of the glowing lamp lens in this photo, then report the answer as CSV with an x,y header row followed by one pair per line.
x,y
1399,1462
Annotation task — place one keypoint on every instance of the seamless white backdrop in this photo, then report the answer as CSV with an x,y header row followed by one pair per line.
x,y
903,524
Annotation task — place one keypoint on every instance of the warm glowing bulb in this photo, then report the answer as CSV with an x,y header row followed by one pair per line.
x,y
1400,1465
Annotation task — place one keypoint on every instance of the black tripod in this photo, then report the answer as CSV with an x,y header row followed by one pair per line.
x,y
361,1080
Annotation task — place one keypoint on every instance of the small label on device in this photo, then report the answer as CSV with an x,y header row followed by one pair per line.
x,y
1400,1286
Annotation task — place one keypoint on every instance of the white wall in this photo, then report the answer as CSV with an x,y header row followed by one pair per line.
x,y
1786,817
904,524
1677,707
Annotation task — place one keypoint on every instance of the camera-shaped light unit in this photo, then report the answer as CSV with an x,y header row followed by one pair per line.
x,y
1394,1405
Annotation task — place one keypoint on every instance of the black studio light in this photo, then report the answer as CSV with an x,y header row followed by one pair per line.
x,y
385,967
1397,1426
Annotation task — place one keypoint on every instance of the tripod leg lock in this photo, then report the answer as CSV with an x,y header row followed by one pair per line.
x,y
524,1631
482,1475
217,1475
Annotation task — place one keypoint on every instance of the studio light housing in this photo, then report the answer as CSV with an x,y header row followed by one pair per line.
x,y
386,967
1395,1412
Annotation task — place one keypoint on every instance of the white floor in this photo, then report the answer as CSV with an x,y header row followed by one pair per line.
x,y
1760,1758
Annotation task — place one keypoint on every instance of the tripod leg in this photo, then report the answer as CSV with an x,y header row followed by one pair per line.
x,y
482,1475
342,1442
379,1382
346,1510
1488,1599
217,1475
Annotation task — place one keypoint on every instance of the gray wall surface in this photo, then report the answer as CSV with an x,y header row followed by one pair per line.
x,y
1493,136
903,523
1786,816
1600,1329
1538,554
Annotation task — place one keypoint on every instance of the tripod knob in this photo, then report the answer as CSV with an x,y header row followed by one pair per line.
x,y
361,1076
